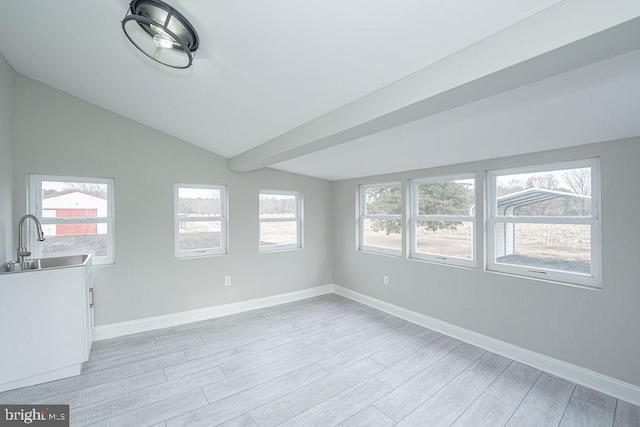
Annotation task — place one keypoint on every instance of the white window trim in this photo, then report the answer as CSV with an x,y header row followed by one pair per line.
x,y
299,219
415,217
223,218
35,207
594,279
364,216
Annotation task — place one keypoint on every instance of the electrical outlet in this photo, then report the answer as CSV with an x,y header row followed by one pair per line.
x,y
227,280
385,280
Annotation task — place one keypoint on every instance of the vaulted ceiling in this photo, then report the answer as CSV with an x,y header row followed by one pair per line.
x,y
339,89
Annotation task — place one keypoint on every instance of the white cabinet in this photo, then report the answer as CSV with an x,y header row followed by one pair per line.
x,y
45,324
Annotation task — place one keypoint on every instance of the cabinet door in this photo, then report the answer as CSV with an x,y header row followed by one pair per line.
x,y
88,311
42,319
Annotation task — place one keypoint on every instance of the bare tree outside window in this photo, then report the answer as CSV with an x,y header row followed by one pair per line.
x,y
578,180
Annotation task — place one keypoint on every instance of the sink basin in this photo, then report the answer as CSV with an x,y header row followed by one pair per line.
x,y
13,267
44,264
63,261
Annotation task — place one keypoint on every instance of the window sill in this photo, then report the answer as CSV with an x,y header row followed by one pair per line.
x,y
273,249
550,280
204,255
451,262
379,252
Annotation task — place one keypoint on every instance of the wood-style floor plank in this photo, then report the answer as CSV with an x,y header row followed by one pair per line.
x,y
545,404
490,365
67,385
375,329
265,357
243,420
399,351
368,417
157,411
413,364
486,411
450,402
595,398
235,341
115,406
137,356
368,348
582,414
341,407
216,359
132,338
264,328
265,373
287,407
469,351
410,395
514,383
98,393
219,331
627,414
125,347
237,404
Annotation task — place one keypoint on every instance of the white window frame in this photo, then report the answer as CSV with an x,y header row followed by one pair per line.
x,y
35,208
298,219
593,280
415,217
363,216
223,218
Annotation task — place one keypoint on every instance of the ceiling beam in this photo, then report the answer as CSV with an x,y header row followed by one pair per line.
x,y
567,36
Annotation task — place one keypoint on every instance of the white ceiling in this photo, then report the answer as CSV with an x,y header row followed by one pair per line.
x,y
596,103
266,67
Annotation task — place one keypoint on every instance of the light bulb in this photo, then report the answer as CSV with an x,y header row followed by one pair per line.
x,y
162,41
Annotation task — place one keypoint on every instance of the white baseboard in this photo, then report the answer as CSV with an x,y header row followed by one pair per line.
x,y
113,330
568,371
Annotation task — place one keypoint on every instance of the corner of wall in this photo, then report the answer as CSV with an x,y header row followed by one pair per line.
x,y
7,77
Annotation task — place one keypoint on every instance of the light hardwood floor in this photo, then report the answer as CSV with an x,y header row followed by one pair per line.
x,y
323,361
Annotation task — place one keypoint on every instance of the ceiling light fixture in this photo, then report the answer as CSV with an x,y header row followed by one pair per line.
x,y
160,32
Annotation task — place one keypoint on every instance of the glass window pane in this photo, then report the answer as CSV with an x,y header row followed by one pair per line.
x,y
74,200
278,233
564,247
196,202
74,239
560,193
278,206
199,235
446,238
383,200
383,233
453,197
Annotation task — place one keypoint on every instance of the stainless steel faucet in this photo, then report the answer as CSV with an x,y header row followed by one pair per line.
x,y
22,249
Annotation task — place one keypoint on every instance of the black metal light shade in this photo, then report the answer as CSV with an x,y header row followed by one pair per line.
x,y
160,32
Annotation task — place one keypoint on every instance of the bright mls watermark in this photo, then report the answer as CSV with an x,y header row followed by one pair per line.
x,y
37,415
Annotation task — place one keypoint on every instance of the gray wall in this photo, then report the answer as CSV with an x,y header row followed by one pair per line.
x,y
56,133
594,329
6,159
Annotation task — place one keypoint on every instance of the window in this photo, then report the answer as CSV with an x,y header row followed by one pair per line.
x,y
381,218
280,214
200,220
76,215
443,219
543,222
